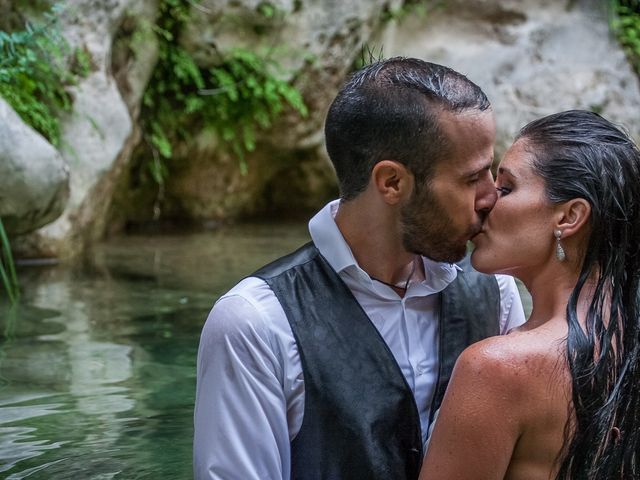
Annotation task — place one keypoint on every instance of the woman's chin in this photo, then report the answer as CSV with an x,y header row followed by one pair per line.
x,y
480,261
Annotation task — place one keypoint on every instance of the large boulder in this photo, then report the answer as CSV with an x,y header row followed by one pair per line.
x,y
34,178
99,133
532,58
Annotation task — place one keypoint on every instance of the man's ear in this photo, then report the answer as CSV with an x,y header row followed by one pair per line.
x,y
572,216
392,180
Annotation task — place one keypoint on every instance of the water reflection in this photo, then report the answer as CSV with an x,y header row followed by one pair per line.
x,y
98,364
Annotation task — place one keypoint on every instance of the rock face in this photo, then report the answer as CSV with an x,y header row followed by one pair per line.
x,y
316,43
34,179
532,58
99,133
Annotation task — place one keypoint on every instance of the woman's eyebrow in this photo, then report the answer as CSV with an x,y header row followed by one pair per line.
x,y
504,170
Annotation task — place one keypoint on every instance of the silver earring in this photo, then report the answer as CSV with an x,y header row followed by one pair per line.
x,y
560,255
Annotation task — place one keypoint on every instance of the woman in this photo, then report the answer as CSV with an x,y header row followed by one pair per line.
x,y
560,397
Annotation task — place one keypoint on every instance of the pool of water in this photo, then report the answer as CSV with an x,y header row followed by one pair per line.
x,y
97,363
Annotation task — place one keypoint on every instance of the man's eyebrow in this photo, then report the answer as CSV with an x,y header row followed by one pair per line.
x,y
479,170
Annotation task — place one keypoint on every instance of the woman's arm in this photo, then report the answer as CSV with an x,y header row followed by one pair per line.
x,y
479,421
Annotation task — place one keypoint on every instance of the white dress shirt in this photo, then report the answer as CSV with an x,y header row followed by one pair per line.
x,y
250,388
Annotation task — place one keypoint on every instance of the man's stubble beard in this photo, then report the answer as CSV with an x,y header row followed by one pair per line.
x,y
428,230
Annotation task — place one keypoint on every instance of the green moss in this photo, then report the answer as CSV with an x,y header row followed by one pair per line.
x,y
34,74
244,93
625,22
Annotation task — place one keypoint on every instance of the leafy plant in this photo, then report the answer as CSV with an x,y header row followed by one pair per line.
x,y
414,8
34,73
625,22
410,7
7,268
245,92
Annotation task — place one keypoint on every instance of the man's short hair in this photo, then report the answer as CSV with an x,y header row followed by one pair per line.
x,y
389,110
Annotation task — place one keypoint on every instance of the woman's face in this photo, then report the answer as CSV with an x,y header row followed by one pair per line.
x,y
517,236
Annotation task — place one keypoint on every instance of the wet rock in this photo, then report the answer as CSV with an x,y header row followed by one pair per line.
x,y
532,58
34,178
99,133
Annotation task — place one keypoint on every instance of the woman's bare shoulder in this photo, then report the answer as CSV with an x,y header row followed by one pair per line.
x,y
518,361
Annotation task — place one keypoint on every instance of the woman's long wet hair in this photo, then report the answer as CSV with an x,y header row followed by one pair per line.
x,y
579,154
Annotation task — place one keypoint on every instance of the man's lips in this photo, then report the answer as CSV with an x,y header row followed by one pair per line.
x,y
475,235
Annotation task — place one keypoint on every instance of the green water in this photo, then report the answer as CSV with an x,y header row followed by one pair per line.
x,y
97,364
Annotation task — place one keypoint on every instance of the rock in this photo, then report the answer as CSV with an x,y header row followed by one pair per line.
x,y
286,181
532,58
99,133
316,42
34,178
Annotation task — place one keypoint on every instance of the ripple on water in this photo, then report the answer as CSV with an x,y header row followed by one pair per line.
x,y
97,366
18,443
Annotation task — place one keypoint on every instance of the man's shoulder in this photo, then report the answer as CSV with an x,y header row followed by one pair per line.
x,y
300,256
250,305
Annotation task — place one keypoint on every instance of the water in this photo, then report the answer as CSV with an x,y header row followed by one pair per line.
x,y
97,364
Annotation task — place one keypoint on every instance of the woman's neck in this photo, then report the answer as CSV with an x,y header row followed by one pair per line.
x,y
550,295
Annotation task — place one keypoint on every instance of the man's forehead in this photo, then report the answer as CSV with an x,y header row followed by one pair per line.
x,y
469,136
469,118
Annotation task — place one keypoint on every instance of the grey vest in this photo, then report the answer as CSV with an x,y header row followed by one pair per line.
x,y
360,417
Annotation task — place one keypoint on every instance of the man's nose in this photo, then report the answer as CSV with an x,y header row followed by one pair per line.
x,y
486,195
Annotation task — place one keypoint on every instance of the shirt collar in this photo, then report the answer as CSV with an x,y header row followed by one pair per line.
x,y
329,240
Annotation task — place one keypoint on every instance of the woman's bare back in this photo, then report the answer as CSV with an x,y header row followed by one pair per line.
x,y
505,410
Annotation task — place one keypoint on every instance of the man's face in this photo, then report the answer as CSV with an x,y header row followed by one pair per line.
x,y
440,219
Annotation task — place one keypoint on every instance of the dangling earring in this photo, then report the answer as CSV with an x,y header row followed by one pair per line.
x,y
560,255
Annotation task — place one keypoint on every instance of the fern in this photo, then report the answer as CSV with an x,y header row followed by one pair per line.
x,y
245,93
34,74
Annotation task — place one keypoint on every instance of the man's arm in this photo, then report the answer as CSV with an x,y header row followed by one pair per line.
x,y
241,429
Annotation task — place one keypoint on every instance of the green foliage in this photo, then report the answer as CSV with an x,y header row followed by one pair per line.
x,y
234,99
418,8
625,23
414,8
267,10
7,268
34,74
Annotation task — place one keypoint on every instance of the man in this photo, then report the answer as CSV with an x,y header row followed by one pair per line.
x,y
331,362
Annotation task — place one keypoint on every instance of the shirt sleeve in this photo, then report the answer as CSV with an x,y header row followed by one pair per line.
x,y
240,419
511,311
